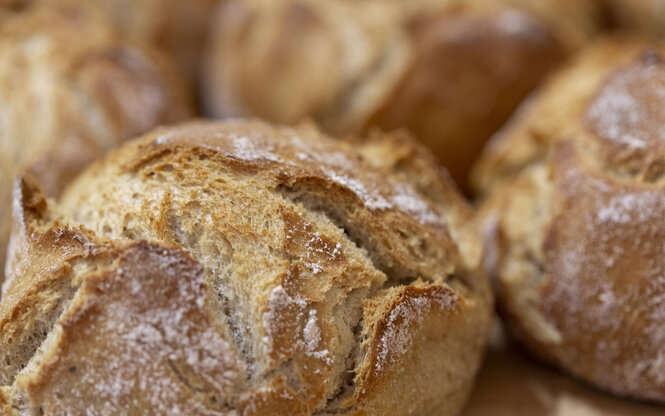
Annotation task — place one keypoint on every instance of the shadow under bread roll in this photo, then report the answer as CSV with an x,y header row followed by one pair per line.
x,y
573,205
72,87
449,71
243,268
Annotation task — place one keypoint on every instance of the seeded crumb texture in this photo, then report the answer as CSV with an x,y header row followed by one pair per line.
x,y
242,268
572,218
450,71
72,87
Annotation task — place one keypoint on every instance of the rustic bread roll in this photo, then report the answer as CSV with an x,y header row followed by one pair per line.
x,y
70,88
573,225
647,16
177,26
450,71
250,269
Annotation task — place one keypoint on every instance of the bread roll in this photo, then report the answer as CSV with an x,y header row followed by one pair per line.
x,y
450,71
177,26
241,268
70,88
647,16
573,226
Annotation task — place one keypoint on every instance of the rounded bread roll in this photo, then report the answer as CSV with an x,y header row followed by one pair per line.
x,y
240,267
573,208
71,87
450,71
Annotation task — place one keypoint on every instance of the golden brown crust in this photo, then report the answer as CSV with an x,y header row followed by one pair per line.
x,y
388,64
613,268
573,236
334,280
408,310
71,88
156,342
5,407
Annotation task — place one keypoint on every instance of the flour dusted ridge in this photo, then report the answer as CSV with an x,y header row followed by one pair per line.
x,y
243,268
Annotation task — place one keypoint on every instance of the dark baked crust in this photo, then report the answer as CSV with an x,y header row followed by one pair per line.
x,y
469,72
331,281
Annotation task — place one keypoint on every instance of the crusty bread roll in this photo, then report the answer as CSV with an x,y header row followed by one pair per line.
x,y
647,16
70,88
178,27
573,225
451,71
241,268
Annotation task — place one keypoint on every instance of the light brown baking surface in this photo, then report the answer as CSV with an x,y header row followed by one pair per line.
x,y
512,384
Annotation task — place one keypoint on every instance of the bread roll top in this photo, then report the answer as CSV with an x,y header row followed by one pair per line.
x,y
326,274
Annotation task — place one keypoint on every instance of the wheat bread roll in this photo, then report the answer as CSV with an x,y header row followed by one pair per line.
x,y
179,27
176,27
573,208
71,87
242,268
449,71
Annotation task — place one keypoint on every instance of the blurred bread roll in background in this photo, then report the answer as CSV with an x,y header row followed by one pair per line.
x,y
179,27
71,87
574,199
647,16
449,71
